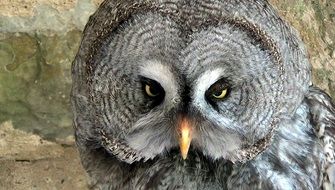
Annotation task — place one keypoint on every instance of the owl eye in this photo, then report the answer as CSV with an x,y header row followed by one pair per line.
x,y
153,90
218,91
220,94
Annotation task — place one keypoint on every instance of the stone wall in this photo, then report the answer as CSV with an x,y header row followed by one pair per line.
x,y
315,21
38,41
39,38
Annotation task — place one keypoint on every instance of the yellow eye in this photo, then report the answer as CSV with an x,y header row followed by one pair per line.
x,y
150,92
220,94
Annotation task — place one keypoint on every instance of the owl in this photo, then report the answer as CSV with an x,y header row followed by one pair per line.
x,y
199,94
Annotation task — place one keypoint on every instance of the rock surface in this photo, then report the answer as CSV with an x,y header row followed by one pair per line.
x,y
315,21
63,172
21,146
29,162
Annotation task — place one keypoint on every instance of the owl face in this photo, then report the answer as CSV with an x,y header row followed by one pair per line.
x,y
161,85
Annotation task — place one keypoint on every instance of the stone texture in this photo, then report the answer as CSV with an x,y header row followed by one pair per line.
x,y
29,162
38,41
21,146
97,2
45,16
35,81
55,173
315,21
26,8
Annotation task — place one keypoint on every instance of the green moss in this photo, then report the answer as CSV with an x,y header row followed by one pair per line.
x,y
321,75
35,81
300,8
331,85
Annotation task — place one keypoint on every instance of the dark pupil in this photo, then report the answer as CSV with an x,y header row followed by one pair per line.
x,y
154,89
217,88
217,92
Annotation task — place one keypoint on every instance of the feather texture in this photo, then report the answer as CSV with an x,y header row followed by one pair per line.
x,y
272,130
323,118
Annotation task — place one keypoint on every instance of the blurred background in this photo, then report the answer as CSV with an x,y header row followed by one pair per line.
x,y
38,41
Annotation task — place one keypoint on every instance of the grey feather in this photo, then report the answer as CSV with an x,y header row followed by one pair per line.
x,y
323,118
271,131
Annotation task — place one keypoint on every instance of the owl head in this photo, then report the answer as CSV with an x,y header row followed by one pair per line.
x,y
201,76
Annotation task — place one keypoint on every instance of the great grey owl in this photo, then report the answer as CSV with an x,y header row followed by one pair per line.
x,y
199,94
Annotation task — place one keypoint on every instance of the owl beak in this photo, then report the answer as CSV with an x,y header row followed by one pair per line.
x,y
185,137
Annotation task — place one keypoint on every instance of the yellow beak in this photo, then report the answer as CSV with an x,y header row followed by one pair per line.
x,y
185,137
